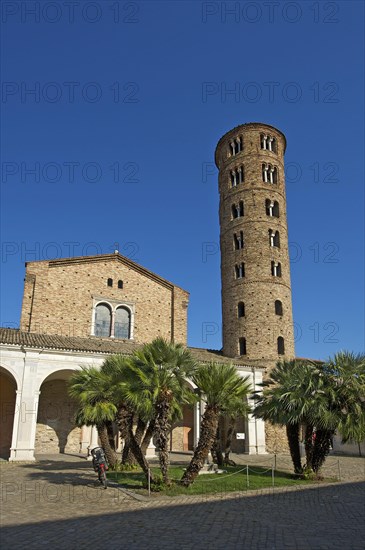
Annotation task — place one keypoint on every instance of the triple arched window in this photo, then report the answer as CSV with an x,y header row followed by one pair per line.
x,y
112,321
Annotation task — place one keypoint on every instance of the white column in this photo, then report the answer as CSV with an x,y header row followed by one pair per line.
x,y
94,441
265,172
255,427
196,423
23,446
151,450
14,438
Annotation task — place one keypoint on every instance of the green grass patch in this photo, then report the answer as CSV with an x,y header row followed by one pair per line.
x,y
235,479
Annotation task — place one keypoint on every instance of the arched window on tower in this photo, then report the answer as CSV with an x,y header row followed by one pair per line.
x,y
238,240
268,143
278,307
236,146
240,309
276,269
272,208
110,282
269,173
237,210
274,238
242,346
237,176
281,347
103,318
239,270
122,323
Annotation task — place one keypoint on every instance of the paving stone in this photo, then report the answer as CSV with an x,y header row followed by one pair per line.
x,y
59,504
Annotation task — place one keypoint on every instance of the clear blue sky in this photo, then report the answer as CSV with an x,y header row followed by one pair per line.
x,y
143,89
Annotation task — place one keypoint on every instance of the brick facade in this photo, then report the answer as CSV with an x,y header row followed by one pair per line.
x,y
60,295
258,289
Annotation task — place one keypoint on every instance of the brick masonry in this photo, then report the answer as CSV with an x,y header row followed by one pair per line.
x,y
258,289
59,296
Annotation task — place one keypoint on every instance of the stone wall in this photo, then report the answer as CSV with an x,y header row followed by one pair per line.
x,y
258,289
56,431
59,297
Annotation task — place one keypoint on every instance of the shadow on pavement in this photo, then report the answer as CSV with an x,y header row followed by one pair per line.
x,y
318,517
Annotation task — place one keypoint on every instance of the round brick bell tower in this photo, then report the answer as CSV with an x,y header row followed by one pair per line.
x,y
256,291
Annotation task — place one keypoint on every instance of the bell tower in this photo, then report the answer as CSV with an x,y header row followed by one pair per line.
x,y
256,291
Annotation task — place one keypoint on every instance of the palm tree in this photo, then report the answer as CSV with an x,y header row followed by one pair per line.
x,y
287,400
158,380
301,393
346,371
120,371
91,388
219,384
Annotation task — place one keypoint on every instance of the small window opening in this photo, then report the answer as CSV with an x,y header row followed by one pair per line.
x,y
278,307
241,309
110,282
281,347
242,346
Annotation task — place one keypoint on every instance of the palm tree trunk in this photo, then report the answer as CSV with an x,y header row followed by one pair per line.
x,y
141,459
109,427
110,454
217,448
125,425
292,433
229,439
208,429
138,434
308,444
322,446
162,429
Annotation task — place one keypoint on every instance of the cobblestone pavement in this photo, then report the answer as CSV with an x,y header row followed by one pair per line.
x,y
58,503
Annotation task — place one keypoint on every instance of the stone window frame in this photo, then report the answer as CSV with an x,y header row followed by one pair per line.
x,y
274,238
113,305
237,210
237,176
235,146
275,269
239,271
268,143
270,173
272,208
238,242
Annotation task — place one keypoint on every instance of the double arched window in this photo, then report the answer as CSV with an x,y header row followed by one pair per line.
x,y
112,321
103,320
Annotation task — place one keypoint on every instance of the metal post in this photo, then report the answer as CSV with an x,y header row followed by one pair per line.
x,y
339,470
149,482
247,480
275,461
273,476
